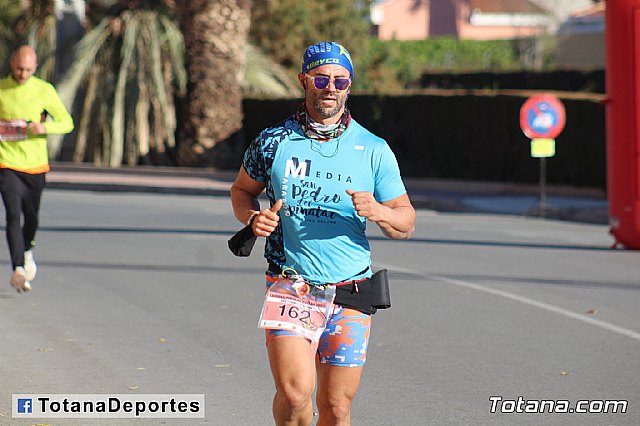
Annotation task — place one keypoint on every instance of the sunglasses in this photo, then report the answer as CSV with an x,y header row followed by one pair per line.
x,y
321,82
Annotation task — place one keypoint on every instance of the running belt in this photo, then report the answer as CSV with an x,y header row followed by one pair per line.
x,y
275,269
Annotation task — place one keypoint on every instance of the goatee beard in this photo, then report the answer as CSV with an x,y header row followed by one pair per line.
x,y
327,113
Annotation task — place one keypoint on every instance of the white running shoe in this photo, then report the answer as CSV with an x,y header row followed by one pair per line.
x,y
19,280
30,265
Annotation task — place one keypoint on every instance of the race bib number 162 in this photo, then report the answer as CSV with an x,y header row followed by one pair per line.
x,y
296,306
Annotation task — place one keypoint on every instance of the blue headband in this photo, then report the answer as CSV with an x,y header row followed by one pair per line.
x,y
327,53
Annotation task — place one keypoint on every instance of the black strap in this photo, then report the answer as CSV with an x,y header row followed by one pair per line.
x,y
275,269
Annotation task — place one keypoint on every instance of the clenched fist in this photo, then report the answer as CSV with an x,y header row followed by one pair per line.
x,y
366,205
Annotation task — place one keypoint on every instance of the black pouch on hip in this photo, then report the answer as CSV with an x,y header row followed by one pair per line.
x,y
366,296
356,296
242,242
380,297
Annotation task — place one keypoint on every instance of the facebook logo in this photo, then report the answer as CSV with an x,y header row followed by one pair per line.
x,y
24,405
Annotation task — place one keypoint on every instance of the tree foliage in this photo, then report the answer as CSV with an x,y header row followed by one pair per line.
x,y
128,73
32,23
399,64
285,28
129,64
10,12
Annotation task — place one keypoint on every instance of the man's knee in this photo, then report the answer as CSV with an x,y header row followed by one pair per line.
x,y
335,408
294,396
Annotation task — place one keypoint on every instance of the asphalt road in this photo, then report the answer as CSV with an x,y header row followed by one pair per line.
x,y
138,294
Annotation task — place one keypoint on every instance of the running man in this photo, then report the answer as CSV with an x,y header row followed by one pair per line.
x,y
325,176
24,161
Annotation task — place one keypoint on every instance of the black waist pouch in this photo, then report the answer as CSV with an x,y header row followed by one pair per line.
x,y
381,296
366,296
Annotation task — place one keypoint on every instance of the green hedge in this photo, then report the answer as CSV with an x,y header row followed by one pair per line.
x,y
386,62
446,53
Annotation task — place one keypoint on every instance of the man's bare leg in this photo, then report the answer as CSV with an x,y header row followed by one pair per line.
x,y
337,386
292,361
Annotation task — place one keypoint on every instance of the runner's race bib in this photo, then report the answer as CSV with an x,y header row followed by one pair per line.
x,y
13,130
294,305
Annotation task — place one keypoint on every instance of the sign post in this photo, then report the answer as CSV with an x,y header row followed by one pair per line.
x,y
542,118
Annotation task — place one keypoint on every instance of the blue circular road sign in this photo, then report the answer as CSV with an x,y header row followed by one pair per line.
x,y
542,116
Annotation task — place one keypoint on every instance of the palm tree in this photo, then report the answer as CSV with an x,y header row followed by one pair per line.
x,y
132,63
264,77
36,26
128,71
215,37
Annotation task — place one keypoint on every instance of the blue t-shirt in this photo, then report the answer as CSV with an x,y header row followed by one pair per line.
x,y
320,234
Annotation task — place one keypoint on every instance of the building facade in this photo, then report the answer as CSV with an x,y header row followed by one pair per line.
x,y
463,19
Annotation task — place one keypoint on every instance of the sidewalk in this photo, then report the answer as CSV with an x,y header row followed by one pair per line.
x,y
565,203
